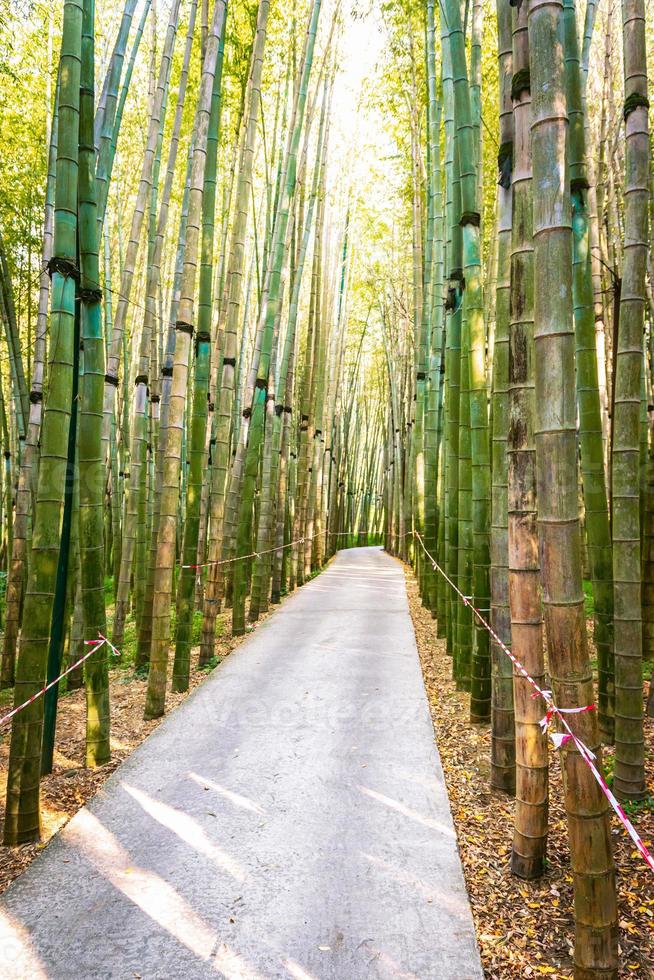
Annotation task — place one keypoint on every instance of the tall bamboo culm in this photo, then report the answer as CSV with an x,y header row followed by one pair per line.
x,y
558,514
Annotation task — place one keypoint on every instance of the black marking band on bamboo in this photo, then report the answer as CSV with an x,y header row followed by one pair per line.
x,y
111,379
126,474
141,379
63,266
247,412
293,456
279,408
36,397
521,82
88,295
288,409
470,218
230,360
183,327
261,384
305,418
7,454
456,275
579,184
211,406
155,399
166,372
317,433
420,376
505,164
22,438
202,337
634,101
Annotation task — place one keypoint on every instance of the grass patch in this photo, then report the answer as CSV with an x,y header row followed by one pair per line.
x,y
636,808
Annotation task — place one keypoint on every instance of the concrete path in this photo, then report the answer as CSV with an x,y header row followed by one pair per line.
x,y
289,820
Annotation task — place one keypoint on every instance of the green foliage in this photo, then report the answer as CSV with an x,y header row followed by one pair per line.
x,y
635,808
29,32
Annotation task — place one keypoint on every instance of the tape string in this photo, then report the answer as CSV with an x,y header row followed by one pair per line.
x,y
95,644
559,739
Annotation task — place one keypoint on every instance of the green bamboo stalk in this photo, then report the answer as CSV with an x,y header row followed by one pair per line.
x,y
502,712
107,141
453,340
558,516
464,624
596,522
26,493
282,409
629,782
468,150
199,412
91,462
434,312
141,206
10,325
255,433
23,818
230,317
106,110
167,531
531,743
165,386
134,523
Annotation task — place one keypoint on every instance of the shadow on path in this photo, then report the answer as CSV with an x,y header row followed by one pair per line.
x,y
289,819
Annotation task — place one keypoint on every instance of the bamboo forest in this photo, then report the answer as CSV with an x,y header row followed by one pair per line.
x,y
327,489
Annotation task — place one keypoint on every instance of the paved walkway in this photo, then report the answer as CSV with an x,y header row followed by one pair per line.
x,y
289,820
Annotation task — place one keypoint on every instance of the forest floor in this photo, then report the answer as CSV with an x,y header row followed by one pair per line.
x,y
71,784
525,929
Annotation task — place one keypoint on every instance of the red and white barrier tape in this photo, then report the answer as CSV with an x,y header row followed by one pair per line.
x,y
253,554
269,551
95,644
559,739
